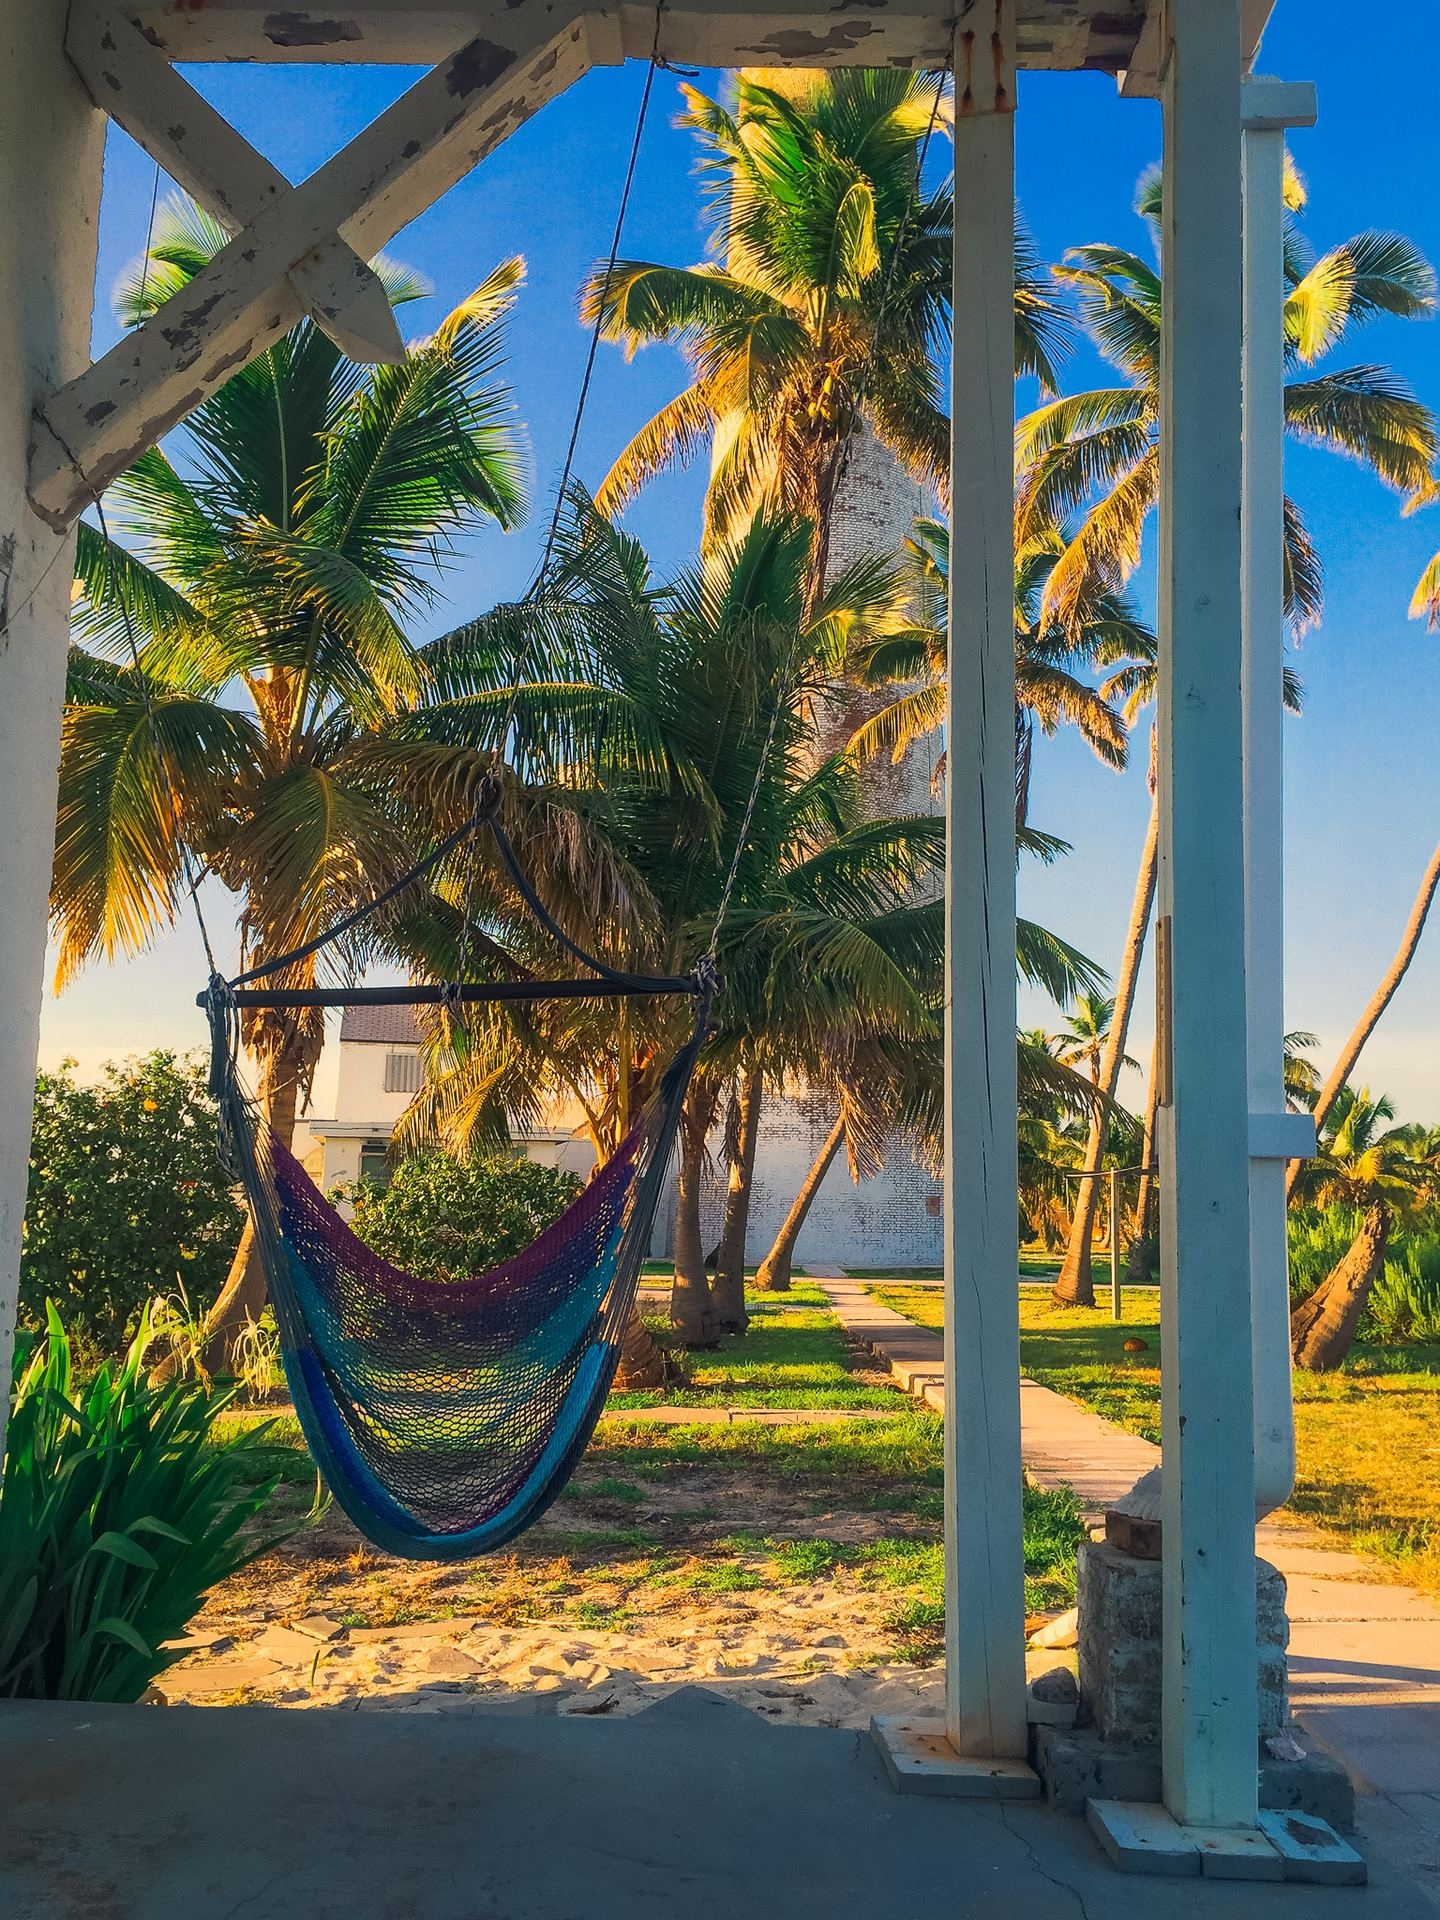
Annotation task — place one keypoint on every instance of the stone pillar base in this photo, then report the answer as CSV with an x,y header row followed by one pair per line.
x,y
1113,1752
1119,1604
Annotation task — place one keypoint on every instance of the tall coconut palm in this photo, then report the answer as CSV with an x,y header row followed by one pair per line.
x,y
1426,604
268,573
1098,451
1105,631
1081,1041
1094,456
1374,1169
825,301
907,1097
1345,1062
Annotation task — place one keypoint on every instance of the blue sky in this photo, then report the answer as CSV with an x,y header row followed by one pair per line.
x,y
1363,787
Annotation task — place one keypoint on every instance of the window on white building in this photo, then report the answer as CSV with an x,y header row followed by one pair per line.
x,y
403,1073
375,1162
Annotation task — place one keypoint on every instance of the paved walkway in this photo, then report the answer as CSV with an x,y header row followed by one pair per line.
x,y
1364,1651
695,1808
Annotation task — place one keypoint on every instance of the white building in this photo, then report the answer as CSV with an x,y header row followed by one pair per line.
x,y
892,1220
380,1072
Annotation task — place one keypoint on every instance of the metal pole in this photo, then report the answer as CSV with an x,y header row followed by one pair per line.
x,y
1114,1243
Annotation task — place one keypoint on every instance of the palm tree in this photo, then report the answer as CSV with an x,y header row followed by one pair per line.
x,y
665,702
1301,1076
1095,455
1374,1170
1426,605
1106,631
268,575
1099,451
1082,1041
824,303
1345,1062
897,1100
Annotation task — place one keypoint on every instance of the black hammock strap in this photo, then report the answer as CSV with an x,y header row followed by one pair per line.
x,y
606,982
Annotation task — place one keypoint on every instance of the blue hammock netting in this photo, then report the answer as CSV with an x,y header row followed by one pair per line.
x,y
447,1415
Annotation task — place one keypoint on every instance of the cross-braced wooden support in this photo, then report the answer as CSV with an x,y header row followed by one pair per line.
x,y
303,249
287,254
135,84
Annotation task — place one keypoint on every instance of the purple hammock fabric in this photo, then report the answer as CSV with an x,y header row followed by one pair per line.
x,y
446,1416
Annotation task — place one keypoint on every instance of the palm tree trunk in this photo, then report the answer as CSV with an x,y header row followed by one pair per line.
x,y
1322,1328
1075,1286
1379,1001
774,1272
692,1313
242,1298
728,1288
644,1363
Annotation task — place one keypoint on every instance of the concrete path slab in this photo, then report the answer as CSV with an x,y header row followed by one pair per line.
x,y
695,1808
1063,1444
740,1416
1364,1651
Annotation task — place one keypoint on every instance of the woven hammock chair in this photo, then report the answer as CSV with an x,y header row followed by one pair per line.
x,y
446,1416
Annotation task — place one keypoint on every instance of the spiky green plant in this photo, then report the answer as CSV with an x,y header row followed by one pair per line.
x,y
119,1507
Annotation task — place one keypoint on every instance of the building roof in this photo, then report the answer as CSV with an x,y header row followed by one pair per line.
x,y
380,1026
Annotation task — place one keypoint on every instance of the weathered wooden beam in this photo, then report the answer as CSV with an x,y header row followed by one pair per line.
x,y
242,302
1210,1733
1268,107
51,144
136,85
709,33
984,1553
1142,73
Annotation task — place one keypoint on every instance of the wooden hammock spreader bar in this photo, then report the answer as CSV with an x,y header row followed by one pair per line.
x,y
439,995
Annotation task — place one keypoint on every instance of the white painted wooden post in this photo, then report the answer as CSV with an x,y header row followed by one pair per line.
x,y
51,142
1210,1732
1267,108
984,1577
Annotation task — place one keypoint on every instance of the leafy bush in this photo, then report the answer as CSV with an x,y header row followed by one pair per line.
x,y
444,1219
1404,1303
119,1507
127,1198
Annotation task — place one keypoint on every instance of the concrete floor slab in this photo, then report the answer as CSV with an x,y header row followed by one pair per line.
x,y
695,1808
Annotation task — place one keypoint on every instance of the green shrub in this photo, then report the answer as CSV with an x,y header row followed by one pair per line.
x,y
127,1198
118,1509
444,1219
1404,1303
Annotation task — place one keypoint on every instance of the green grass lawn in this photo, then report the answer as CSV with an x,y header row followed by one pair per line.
x,y
1367,1437
661,1523
794,1355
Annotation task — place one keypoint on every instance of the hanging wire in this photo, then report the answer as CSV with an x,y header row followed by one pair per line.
x,y
837,468
489,795
537,585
